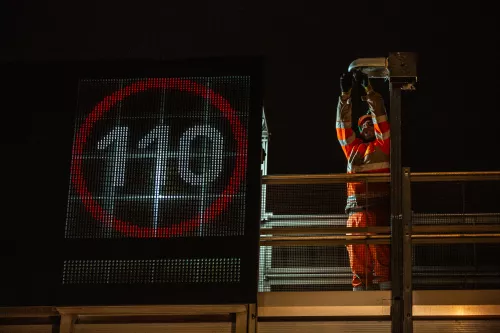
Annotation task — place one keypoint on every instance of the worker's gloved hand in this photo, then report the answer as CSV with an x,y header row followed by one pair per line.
x,y
362,79
346,82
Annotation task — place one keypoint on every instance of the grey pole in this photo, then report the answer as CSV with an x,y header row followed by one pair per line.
x,y
402,75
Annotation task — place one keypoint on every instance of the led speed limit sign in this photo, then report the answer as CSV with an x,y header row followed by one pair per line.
x,y
162,157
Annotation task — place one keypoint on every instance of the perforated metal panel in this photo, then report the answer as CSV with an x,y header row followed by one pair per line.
x,y
311,268
305,268
306,199
159,158
456,266
213,270
164,185
299,268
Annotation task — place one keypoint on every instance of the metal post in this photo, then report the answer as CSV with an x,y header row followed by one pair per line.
x,y
402,74
67,324
265,252
241,325
252,318
397,306
407,253
263,165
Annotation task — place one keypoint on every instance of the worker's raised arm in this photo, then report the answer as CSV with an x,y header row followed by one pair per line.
x,y
380,121
379,115
345,134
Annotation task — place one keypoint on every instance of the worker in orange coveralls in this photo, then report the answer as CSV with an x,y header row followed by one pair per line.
x,y
368,205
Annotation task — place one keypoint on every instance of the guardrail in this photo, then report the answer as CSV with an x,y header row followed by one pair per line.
x,y
295,230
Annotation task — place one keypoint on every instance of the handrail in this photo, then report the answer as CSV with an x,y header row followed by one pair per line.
x,y
321,230
324,178
455,228
377,239
415,230
296,179
420,234
454,176
323,240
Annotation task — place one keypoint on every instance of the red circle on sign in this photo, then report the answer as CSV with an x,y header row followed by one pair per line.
x,y
215,209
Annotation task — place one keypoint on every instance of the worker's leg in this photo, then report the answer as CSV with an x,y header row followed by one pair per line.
x,y
359,256
381,253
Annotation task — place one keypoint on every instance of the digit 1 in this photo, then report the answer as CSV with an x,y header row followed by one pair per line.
x,y
160,135
118,136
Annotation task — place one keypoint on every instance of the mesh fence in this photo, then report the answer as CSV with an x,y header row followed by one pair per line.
x,y
309,199
318,268
462,265
305,268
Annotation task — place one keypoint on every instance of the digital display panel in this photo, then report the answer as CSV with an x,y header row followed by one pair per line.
x,y
159,158
145,182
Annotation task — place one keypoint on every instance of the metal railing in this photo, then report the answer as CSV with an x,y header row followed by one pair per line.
x,y
479,233
329,230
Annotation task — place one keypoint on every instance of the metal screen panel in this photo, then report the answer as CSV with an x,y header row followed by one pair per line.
x,y
456,266
299,268
138,170
305,268
310,268
160,185
307,199
159,158
213,270
463,265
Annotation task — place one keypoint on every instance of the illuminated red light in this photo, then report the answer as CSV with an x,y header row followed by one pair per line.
x,y
217,206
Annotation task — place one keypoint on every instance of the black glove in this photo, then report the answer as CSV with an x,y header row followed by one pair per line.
x,y
362,78
346,82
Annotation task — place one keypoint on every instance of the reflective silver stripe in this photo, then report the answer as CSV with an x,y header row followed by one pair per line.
x,y
344,124
348,141
346,99
351,201
383,136
368,195
380,119
367,167
359,199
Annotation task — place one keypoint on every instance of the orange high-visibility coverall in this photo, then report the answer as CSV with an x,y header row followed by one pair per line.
x,y
367,204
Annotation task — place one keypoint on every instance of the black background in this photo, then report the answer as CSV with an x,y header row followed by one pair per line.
x,y
449,123
306,45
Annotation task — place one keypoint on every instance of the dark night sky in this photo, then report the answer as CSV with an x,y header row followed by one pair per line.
x,y
307,45
450,122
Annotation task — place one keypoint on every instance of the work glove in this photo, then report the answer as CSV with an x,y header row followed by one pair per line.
x,y
346,82
362,79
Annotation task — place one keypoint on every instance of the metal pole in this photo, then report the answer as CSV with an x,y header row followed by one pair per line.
x,y
397,306
407,253
402,73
